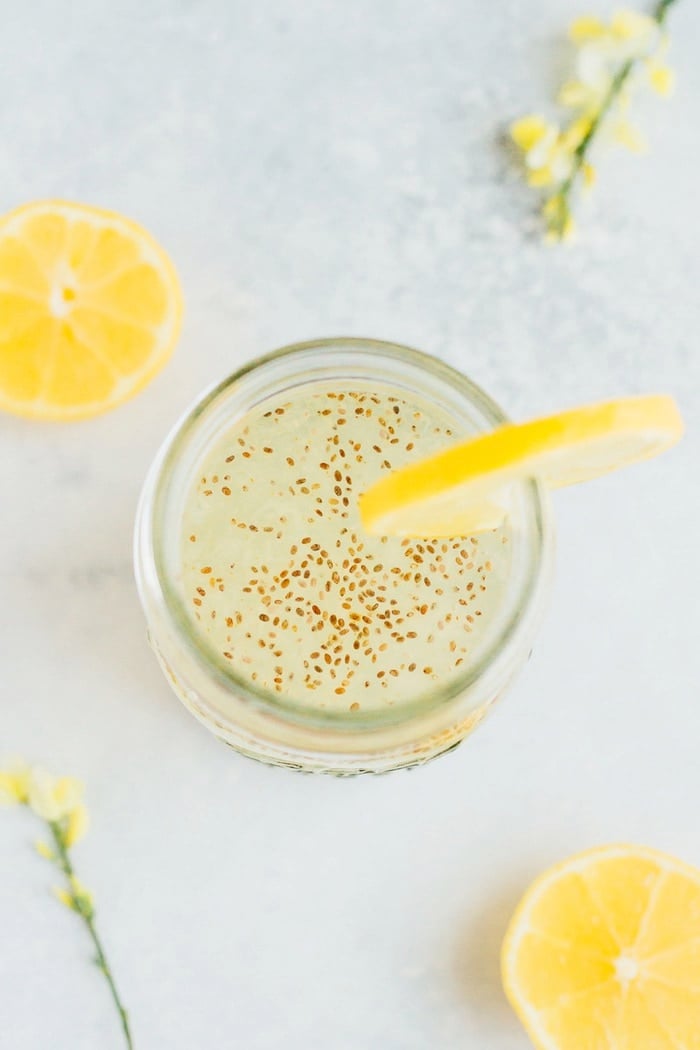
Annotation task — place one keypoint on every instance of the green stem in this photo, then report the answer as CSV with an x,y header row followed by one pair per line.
x,y
66,866
581,151
661,8
616,86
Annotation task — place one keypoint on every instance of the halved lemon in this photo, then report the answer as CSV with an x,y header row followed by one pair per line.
x,y
464,488
603,953
90,310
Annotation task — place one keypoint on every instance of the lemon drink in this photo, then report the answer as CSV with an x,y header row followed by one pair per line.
x,y
343,550
281,580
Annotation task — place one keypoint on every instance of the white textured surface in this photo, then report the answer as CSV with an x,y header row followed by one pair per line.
x,y
326,168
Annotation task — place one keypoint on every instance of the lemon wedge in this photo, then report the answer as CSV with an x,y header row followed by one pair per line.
x,y
90,310
463,489
604,952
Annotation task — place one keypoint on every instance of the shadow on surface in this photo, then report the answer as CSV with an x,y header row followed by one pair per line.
x,y
80,597
477,964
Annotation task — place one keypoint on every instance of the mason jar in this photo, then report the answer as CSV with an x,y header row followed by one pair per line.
x,y
302,732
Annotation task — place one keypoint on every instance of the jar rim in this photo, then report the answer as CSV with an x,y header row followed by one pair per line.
x,y
158,589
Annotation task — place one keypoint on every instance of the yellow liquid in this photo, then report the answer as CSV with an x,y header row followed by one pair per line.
x,y
281,580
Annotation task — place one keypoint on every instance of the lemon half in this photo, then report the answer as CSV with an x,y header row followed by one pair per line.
x,y
90,310
603,953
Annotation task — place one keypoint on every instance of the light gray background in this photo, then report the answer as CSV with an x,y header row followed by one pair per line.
x,y
315,169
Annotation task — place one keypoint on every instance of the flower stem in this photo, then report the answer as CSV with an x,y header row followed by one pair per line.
x,y
662,7
580,155
87,915
581,151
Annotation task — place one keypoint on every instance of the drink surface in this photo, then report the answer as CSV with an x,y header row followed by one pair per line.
x,y
280,579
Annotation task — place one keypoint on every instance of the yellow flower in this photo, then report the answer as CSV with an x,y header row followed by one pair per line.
x,y
625,134
64,897
44,850
548,156
540,177
589,175
629,34
82,898
612,59
528,131
575,133
14,785
588,27
661,77
633,25
80,890
8,791
78,822
52,798
602,49
576,95
595,67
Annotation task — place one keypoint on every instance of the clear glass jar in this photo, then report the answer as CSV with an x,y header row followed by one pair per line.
x,y
260,723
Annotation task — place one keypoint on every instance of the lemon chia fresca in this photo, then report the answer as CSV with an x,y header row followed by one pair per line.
x,y
281,580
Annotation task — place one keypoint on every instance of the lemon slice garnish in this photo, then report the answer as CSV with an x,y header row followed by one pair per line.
x,y
90,310
464,488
